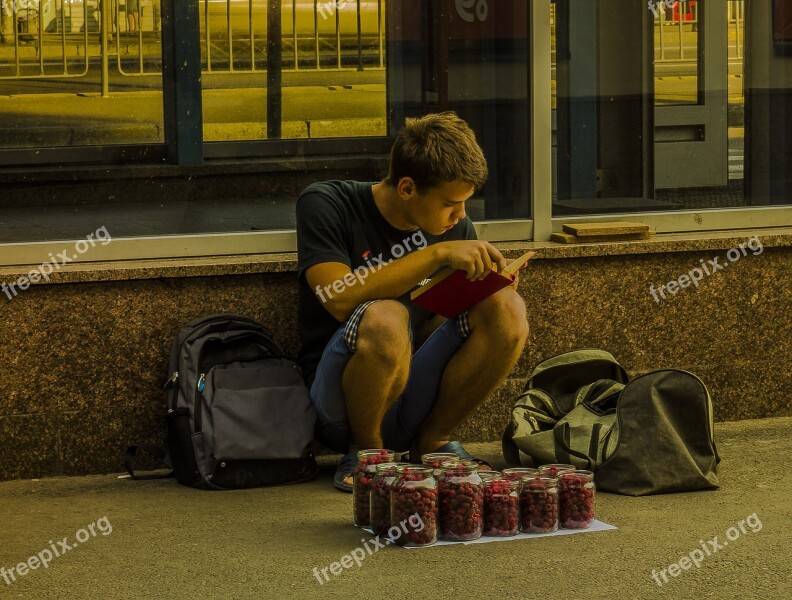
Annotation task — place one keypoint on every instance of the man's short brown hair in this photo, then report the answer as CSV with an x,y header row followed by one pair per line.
x,y
436,149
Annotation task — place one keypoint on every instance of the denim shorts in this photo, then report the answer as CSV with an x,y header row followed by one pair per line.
x,y
408,412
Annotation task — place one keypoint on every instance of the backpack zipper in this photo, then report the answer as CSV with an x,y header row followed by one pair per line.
x,y
199,403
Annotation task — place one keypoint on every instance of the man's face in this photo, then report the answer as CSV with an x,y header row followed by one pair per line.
x,y
440,208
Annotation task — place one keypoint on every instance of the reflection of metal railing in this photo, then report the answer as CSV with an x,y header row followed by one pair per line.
x,y
45,31
737,24
126,37
674,28
317,34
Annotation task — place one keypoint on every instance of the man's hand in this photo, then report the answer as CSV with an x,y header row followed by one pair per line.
x,y
475,257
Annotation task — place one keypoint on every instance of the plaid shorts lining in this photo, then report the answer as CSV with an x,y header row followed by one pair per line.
x,y
353,324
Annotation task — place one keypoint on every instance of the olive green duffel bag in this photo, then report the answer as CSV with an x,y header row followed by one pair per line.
x,y
649,436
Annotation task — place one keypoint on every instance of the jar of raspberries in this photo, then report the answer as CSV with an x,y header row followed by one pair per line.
x,y
381,496
363,478
576,493
461,502
414,506
501,507
539,504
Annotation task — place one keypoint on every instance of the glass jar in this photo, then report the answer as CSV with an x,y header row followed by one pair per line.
x,y
380,503
361,487
461,501
501,507
436,460
413,507
576,492
539,504
487,475
519,473
555,470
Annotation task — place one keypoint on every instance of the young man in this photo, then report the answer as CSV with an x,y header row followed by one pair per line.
x,y
382,372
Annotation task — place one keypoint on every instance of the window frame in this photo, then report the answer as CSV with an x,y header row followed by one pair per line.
x,y
537,229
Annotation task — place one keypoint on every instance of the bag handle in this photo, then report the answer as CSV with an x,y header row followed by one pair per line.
x,y
510,450
130,458
561,435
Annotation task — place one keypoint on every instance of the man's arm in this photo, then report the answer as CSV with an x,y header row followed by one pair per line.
x,y
399,276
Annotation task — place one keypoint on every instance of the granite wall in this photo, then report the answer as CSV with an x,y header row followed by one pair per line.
x,y
84,357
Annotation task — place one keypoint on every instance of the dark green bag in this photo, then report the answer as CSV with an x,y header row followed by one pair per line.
x,y
652,435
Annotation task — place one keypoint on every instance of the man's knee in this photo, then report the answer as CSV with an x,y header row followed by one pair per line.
x,y
384,330
503,312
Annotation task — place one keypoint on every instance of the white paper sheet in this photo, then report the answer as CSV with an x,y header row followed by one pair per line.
x,y
595,526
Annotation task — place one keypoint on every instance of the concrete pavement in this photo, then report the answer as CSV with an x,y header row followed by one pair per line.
x,y
62,119
168,541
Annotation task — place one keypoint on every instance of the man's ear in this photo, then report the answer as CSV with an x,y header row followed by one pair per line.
x,y
406,188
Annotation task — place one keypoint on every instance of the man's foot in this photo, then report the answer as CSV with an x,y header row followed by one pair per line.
x,y
343,479
452,447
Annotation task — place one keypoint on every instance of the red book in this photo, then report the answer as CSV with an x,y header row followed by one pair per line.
x,y
450,292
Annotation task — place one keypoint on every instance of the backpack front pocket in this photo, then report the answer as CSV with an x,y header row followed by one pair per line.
x,y
261,423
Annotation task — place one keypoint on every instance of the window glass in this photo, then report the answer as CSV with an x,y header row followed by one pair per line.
x,y
472,57
63,85
679,108
332,61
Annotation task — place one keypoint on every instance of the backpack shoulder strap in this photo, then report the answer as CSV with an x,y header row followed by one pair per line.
x,y
160,452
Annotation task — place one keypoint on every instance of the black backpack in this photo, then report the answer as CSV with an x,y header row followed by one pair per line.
x,y
239,414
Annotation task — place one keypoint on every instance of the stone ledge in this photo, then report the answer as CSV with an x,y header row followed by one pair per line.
x,y
287,262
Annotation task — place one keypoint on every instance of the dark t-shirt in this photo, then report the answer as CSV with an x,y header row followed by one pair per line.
x,y
338,221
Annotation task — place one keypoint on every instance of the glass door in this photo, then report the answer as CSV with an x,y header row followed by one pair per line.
x,y
691,94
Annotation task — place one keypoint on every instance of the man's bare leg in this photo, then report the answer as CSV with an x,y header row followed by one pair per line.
x,y
499,329
377,373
